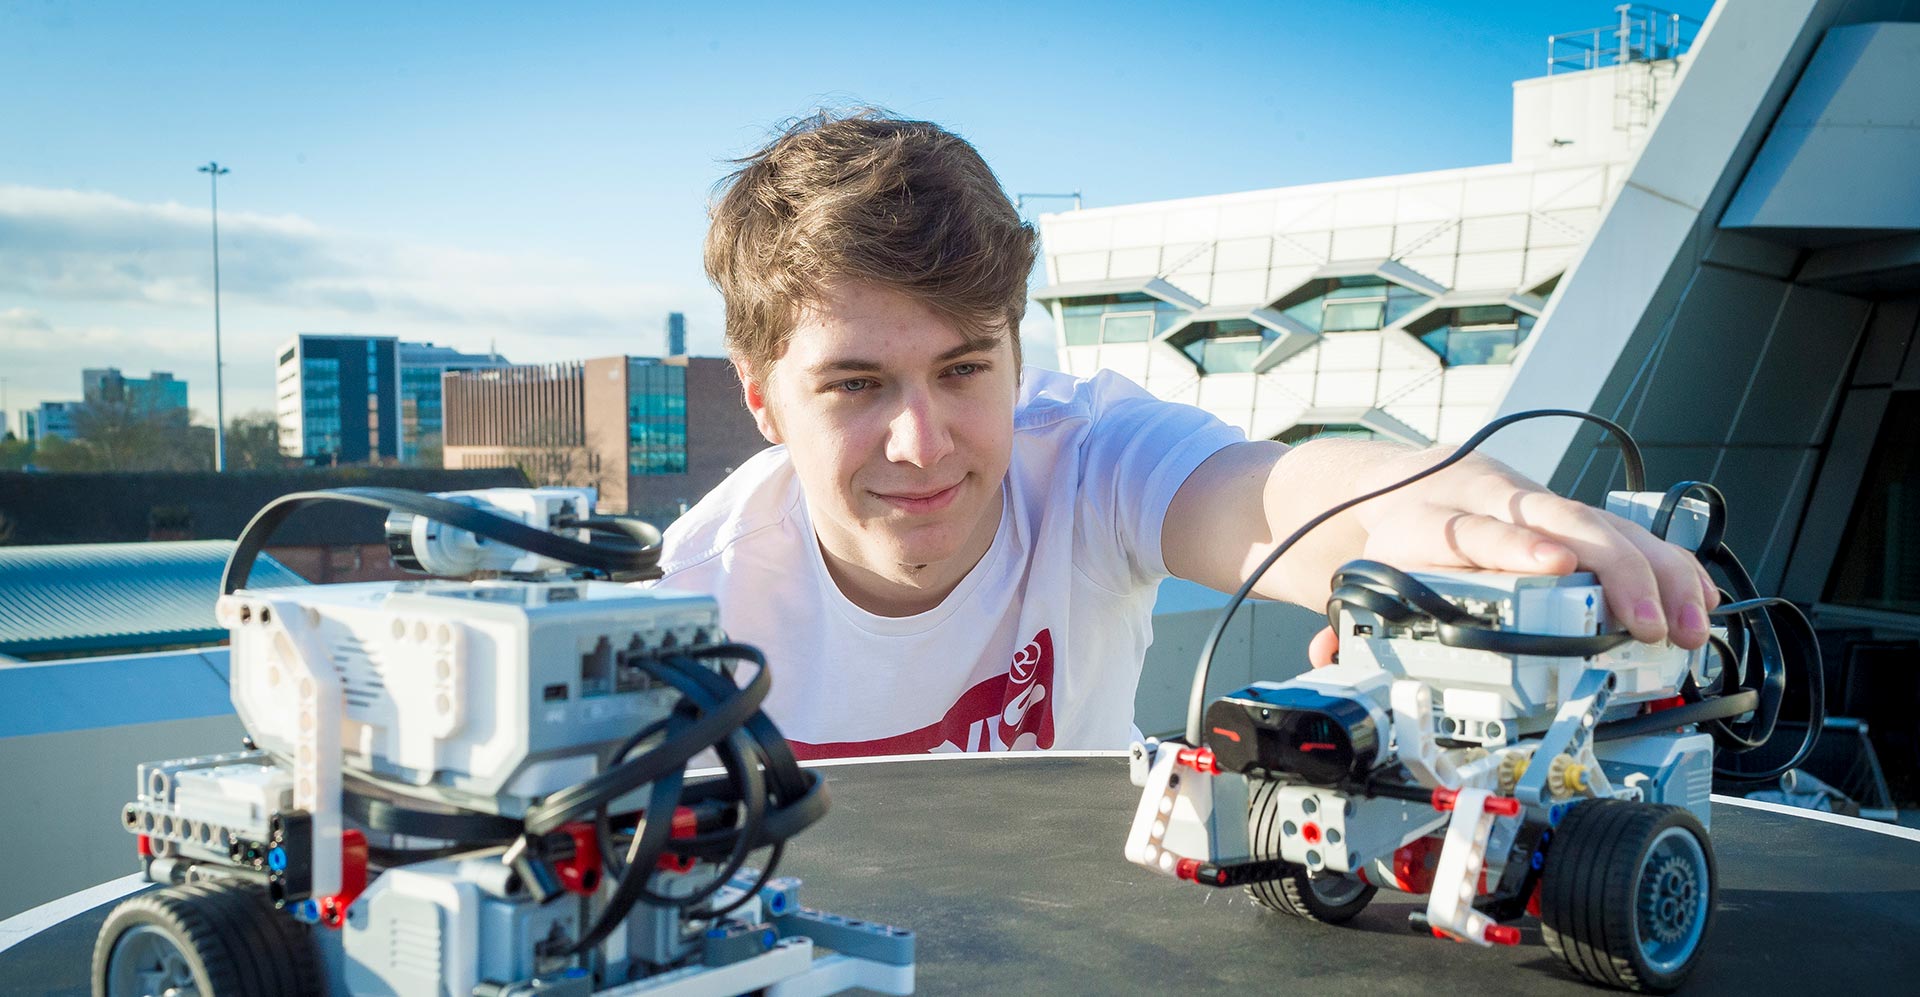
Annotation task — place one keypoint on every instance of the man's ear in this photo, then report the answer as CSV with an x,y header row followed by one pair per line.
x,y
755,395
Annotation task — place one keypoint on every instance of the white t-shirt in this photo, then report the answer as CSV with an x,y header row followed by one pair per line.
x,y
1039,646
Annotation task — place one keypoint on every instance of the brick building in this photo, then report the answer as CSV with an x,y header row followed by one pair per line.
x,y
651,434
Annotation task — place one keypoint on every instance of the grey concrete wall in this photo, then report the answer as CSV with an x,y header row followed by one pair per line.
x,y
1265,640
61,794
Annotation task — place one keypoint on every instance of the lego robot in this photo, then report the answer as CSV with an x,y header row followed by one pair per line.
x,y
480,787
1489,741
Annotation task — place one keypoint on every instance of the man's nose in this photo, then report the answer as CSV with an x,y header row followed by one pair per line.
x,y
918,434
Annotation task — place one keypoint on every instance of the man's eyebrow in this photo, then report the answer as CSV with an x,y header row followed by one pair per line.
x,y
860,366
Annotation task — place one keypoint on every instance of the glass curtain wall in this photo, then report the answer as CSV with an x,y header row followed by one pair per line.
x,y
320,405
656,418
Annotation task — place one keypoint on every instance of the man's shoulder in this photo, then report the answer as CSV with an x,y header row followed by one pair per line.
x,y
756,500
1049,397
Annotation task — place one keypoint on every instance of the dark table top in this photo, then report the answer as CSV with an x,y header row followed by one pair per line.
x,y
1009,870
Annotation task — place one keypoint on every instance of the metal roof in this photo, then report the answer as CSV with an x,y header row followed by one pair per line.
x,y
95,598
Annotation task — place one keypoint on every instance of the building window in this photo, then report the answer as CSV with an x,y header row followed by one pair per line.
x,y
1879,562
656,418
1117,318
1357,304
1225,346
1479,334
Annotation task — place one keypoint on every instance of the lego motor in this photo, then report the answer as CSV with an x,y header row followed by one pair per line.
x,y
481,786
1493,742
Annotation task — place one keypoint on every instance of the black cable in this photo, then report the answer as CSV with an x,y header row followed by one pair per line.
x,y
1398,597
673,754
655,825
766,876
1196,700
745,750
1772,686
628,557
736,753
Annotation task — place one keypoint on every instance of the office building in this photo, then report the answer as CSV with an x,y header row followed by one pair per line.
x,y
421,368
676,334
365,399
54,419
651,434
337,399
158,394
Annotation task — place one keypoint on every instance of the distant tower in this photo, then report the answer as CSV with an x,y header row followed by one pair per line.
x,y
676,334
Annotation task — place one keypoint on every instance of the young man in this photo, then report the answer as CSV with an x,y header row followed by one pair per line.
x,y
942,554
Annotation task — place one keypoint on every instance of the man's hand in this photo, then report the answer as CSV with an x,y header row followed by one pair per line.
x,y
1476,514
1481,514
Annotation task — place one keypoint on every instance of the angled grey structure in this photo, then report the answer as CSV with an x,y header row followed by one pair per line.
x,y
1747,309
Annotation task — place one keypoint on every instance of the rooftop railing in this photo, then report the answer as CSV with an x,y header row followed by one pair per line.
x,y
1643,34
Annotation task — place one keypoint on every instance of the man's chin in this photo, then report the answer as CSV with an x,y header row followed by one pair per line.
x,y
920,552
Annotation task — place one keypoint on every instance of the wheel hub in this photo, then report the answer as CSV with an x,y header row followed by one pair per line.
x,y
1667,899
146,963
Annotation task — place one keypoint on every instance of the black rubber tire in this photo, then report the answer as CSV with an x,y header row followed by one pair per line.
x,y
231,940
1594,881
1297,892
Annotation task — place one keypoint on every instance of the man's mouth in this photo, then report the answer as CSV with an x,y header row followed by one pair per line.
x,y
921,502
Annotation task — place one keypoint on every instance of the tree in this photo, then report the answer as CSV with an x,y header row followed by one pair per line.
x,y
554,453
57,453
123,435
429,451
15,453
253,443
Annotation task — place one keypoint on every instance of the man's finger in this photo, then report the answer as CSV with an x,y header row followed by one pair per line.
x,y
1323,647
1628,578
1678,573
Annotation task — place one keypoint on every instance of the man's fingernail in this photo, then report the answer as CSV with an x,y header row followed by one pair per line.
x,y
1546,553
1693,619
1647,611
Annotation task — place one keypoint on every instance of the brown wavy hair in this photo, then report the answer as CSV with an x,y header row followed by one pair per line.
x,y
864,196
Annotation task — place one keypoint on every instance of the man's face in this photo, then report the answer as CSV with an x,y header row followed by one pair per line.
x,y
900,426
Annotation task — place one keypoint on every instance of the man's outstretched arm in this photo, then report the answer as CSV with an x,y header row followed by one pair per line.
x,y
1478,513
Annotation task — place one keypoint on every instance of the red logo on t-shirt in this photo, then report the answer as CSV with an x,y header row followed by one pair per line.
x,y
1006,712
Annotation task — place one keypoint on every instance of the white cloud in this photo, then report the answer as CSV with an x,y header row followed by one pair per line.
x,y
22,321
112,282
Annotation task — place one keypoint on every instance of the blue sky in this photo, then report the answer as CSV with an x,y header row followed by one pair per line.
x,y
536,175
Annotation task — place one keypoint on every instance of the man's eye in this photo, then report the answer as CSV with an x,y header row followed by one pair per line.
x,y
853,385
967,369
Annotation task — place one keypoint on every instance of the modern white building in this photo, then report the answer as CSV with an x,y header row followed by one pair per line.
x,y
1391,306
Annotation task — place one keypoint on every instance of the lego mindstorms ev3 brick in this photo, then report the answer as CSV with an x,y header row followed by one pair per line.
x,y
479,787
1489,741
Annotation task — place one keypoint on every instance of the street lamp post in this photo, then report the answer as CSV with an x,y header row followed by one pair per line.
x,y
213,171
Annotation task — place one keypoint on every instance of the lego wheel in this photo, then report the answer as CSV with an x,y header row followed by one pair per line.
x,y
1330,897
1627,894
208,939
